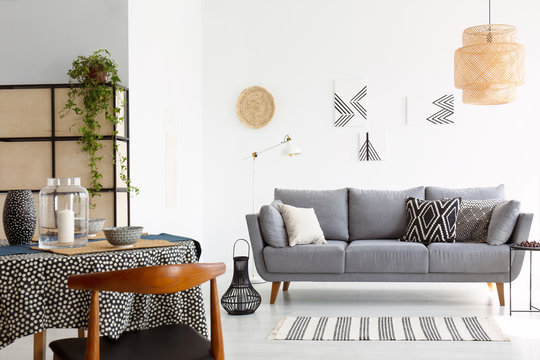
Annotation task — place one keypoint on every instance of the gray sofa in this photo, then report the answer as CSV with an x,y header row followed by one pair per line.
x,y
362,228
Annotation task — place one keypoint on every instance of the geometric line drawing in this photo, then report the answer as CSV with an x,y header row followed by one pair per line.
x,y
446,103
346,113
355,102
350,103
367,152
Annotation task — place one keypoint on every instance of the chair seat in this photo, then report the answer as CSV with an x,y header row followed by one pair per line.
x,y
178,342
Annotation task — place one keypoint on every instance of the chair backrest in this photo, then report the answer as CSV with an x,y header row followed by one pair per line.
x,y
162,279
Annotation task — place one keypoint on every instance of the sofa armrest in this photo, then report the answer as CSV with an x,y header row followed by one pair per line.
x,y
257,243
521,232
522,228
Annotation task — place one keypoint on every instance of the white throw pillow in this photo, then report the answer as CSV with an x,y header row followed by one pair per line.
x,y
302,225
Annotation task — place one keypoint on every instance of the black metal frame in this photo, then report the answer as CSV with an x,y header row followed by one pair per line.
x,y
53,139
532,308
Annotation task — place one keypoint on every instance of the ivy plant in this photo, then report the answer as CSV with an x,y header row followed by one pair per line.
x,y
93,79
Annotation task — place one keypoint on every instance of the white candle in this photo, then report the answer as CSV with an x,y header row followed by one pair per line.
x,y
66,226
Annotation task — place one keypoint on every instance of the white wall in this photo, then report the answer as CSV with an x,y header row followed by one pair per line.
x,y
189,164
165,97
40,39
296,48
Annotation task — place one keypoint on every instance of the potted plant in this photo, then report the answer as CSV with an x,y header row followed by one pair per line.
x,y
94,79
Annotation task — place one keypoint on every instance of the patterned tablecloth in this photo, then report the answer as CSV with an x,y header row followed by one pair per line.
x,y
34,295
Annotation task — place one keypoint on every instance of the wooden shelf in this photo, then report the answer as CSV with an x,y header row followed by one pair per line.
x,y
36,143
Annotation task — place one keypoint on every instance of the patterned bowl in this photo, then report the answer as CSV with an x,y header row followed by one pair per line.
x,y
124,236
95,225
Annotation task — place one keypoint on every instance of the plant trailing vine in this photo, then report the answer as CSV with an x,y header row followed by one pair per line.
x,y
93,81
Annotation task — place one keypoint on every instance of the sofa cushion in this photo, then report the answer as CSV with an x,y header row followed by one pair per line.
x,y
326,258
330,207
386,256
302,225
272,226
431,220
467,258
473,220
476,193
379,214
503,220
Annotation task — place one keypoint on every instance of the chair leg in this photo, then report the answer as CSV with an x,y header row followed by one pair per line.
x,y
491,286
216,332
92,341
81,333
286,285
40,340
275,291
500,291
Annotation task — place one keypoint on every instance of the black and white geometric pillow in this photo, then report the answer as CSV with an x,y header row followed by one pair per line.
x,y
431,220
473,220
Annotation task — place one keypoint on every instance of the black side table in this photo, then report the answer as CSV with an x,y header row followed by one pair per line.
x,y
515,247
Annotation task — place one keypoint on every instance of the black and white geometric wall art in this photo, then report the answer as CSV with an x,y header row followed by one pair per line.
x,y
371,146
350,103
436,108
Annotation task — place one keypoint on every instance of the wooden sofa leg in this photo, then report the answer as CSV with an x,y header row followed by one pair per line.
x,y
275,291
500,291
286,285
491,286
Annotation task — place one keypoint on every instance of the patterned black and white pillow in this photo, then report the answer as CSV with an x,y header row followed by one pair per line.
x,y
473,220
431,220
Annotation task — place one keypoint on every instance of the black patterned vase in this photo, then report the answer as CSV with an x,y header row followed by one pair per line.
x,y
19,217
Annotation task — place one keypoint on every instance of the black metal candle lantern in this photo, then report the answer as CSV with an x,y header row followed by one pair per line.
x,y
240,298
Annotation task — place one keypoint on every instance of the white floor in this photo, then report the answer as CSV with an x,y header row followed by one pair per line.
x,y
246,336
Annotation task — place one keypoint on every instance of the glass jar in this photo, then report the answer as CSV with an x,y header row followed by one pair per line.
x,y
63,214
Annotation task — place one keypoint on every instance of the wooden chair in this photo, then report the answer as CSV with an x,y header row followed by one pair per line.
x,y
164,342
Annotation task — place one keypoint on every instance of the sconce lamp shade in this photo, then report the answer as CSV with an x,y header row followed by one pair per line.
x,y
290,149
490,65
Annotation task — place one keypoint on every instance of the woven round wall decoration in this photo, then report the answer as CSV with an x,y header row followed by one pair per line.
x,y
255,107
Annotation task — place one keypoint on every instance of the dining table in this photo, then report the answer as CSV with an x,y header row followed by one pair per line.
x,y
34,295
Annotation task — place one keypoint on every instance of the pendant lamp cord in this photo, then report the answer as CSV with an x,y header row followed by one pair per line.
x,y
490,13
489,35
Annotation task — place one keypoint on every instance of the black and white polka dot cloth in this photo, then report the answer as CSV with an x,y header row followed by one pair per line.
x,y
34,295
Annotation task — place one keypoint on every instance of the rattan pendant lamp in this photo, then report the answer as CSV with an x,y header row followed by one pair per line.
x,y
490,65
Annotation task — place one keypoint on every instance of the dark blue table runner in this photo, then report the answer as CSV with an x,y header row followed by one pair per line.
x,y
25,249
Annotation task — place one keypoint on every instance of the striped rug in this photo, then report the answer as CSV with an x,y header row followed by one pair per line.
x,y
387,329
